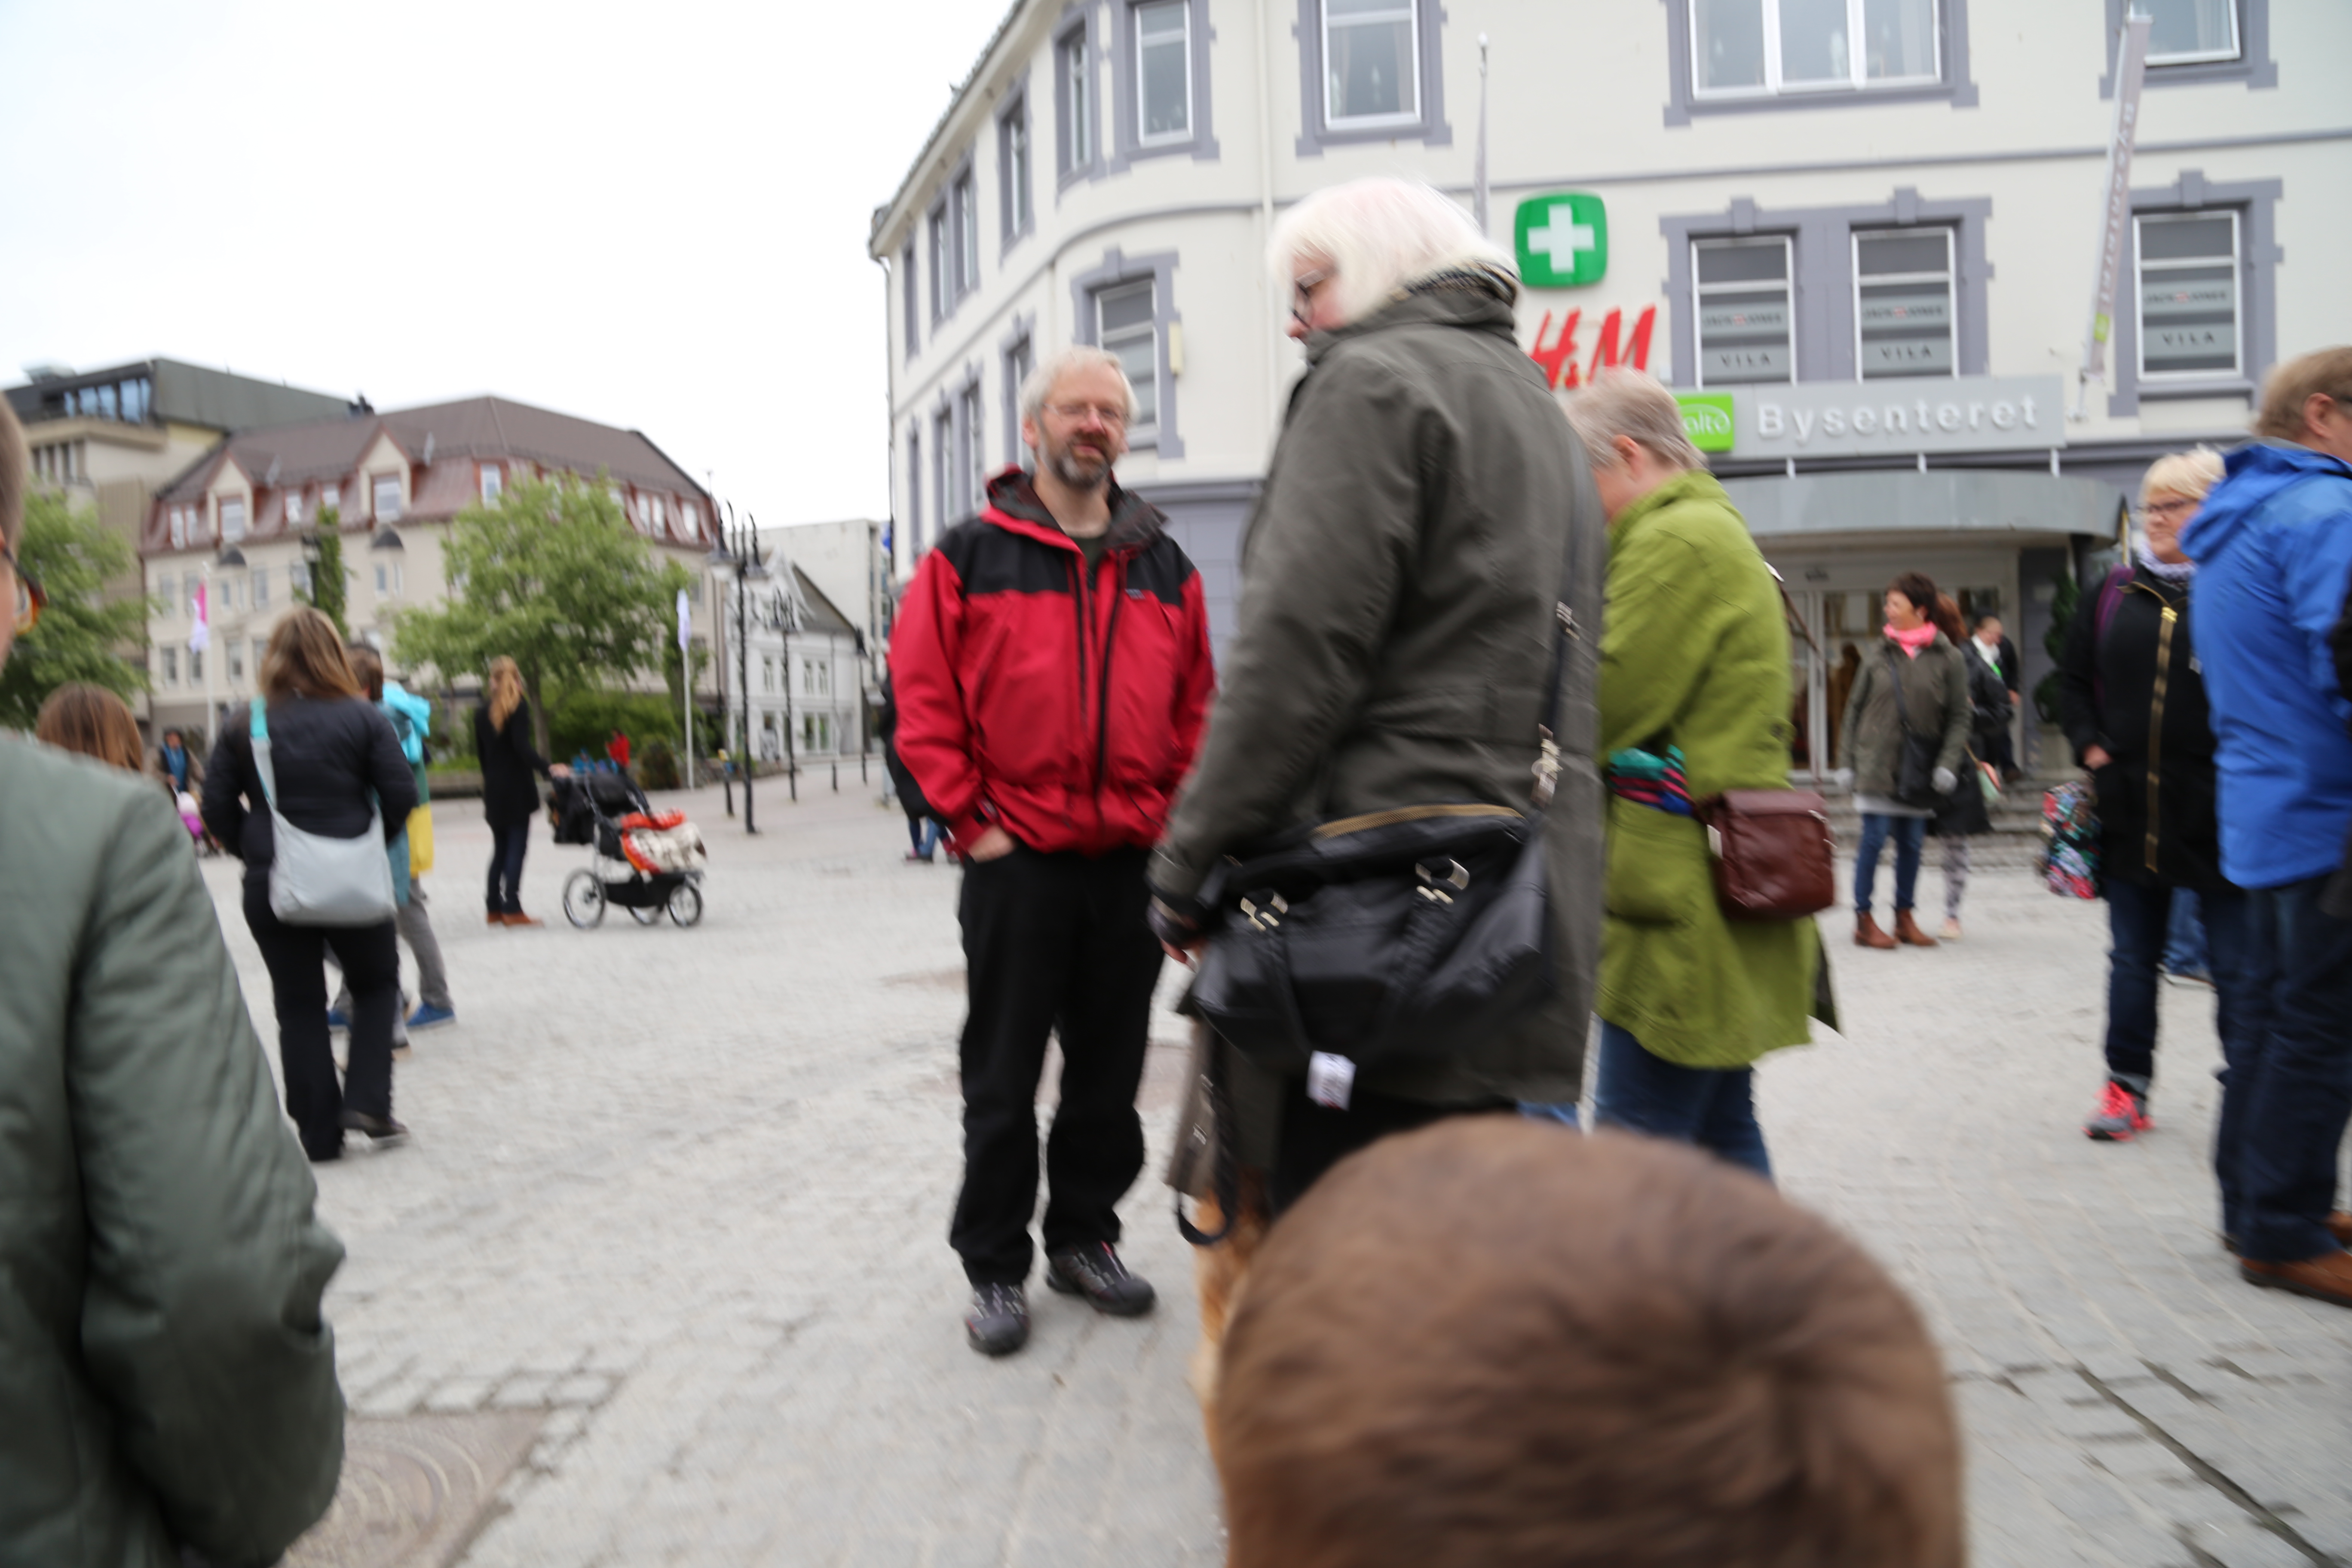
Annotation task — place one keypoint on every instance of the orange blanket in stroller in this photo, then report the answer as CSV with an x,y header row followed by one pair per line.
x,y
659,841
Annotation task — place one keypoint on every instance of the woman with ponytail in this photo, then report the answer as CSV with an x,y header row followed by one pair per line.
x,y
502,731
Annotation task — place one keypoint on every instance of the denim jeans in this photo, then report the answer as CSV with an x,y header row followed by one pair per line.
x,y
1713,1108
923,832
2184,935
1908,832
508,842
2287,1081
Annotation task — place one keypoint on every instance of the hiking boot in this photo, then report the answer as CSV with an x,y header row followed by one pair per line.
x,y
1908,932
2122,1113
383,1131
1096,1273
998,1320
1867,934
2327,1278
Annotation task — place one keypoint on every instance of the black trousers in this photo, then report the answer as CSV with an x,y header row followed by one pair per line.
x,y
508,842
1053,944
297,957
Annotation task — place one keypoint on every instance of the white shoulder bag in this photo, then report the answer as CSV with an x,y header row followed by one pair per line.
x,y
315,879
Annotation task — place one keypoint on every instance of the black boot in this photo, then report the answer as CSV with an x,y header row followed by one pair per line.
x,y
1096,1273
998,1321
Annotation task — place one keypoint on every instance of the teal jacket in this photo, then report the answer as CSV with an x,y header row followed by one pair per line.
x,y
165,1377
1694,654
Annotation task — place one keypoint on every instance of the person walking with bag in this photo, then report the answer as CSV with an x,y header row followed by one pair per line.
x,y
316,755
411,716
510,764
1694,684
1907,736
1964,814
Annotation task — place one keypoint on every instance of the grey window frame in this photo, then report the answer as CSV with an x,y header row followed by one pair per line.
x,y
2259,255
915,488
1076,27
1126,104
911,297
1019,343
2160,379
1826,341
1950,277
1017,200
971,458
1430,127
2253,66
939,239
1683,102
1691,247
943,461
963,206
1119,268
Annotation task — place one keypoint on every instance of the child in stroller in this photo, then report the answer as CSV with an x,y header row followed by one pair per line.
x,y
638,859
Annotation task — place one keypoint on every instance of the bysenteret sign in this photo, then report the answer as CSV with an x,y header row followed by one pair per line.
x,y
1853,418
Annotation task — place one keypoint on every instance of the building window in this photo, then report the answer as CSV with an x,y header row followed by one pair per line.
x,y
767,672
974,452
196,664
1903,302
909,290
2188,295
261,587
293,509
493,483
1124,324
816,731
172,665
387,498
330,498
1020,359
298,579
942,298
2191,32
967,234
915,491
232,519
1371,70
1013,159
179,528
1074,93
235,664
2193,41
689,521
943,468
1745,322
1164,70
816,678
167,594
1749,47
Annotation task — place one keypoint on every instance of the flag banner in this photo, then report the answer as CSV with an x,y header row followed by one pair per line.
x,y
684,621
200,635
2114,211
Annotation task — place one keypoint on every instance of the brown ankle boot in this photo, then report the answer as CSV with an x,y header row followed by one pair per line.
x,y
1908,932
1867,934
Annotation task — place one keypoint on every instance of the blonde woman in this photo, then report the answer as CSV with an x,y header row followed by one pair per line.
x,y
502,729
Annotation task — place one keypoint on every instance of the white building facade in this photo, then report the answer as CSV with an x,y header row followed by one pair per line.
x,y
1861,235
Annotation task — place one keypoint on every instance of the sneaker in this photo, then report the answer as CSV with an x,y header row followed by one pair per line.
x,y
2327,1278
1096,1273
998,1320
2189,977
2122,1114
1952,931
338,1019
383,1131
430,1018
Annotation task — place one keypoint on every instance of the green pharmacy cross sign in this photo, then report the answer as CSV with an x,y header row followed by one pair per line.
x,y
1563,240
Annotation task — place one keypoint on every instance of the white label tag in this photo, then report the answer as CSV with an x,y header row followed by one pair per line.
x,y
1330,1079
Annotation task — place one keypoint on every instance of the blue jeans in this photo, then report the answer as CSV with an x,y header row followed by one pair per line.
x,y
508,842
924,833
1908,832
2287,1081
2139,917
1713,1108
2184,936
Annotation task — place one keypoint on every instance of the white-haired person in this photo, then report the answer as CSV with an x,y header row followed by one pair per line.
x,y
2132,696
1051,668
1425,509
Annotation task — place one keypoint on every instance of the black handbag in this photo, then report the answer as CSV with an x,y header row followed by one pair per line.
x,y
1399,936
1915,765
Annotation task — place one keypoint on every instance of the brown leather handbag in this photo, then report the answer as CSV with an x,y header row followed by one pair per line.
x,y
1772,852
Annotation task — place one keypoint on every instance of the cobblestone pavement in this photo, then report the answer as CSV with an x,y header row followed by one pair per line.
x,y
686,1192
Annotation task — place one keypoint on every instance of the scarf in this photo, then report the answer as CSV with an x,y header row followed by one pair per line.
x,y
2144,559
1912,641
1648,779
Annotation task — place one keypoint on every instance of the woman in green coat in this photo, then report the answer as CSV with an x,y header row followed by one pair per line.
x,y
1693,702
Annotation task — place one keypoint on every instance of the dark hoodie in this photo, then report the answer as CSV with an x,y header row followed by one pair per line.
x,y
2273,550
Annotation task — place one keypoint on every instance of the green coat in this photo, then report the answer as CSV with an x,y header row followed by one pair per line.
x,y
164,1373
1695,655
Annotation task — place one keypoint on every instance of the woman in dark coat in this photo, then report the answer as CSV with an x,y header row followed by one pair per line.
x,y
2134,706
923,827
336,762
510,764
1962,814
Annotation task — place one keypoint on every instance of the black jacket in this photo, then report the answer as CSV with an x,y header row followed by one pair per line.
x,y
902,777
1963,813
2136,690
508,761
329,754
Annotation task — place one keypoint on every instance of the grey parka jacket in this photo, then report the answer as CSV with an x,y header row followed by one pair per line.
x,y
1935,694
165,1379
1395,628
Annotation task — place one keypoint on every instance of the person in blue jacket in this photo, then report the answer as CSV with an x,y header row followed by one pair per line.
x,y
2274,553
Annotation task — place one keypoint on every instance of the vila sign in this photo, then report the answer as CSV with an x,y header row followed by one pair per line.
x,y
1563,240
1844,419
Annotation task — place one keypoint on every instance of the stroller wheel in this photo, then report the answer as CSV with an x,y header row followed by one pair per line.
x,y
584,899
645,917
686,903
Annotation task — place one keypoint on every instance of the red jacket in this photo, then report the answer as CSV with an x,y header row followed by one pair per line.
x,y
1067,712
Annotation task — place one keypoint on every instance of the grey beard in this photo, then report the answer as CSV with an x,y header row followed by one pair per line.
x,y
1073,469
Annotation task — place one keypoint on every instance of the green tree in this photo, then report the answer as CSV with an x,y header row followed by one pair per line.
x,y
553,577
328,585
81,634
2062,606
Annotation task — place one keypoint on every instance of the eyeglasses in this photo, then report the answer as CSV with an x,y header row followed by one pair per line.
x,y
1077,413
1302,294
2179,506
30,600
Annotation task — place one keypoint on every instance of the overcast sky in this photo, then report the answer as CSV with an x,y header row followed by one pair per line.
x,y
650,215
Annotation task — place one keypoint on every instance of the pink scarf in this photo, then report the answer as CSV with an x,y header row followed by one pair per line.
x,y
1912,641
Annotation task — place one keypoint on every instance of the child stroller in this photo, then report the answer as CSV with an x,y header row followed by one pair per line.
x,y
638,859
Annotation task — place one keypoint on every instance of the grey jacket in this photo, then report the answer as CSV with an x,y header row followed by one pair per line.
x,y
165,1379
1935,694
1395,628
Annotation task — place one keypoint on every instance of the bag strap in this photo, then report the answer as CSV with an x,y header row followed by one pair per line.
x,y
1895,674
1548,722
259,729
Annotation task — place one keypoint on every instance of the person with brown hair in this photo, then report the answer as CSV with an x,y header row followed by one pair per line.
x,y
411,917
502,727
1915,690
1645,1357
167,1384
1962,813
328,749
93,722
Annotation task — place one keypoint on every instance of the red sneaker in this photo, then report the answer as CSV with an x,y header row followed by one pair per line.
x,y
2122,1114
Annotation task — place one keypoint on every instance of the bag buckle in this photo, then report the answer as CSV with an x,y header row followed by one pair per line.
x,y
1262,917
1450,873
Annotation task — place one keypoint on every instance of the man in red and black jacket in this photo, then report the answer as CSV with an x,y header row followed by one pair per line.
x,y
1050,663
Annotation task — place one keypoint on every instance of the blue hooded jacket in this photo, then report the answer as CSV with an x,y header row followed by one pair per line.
x,y
2273,551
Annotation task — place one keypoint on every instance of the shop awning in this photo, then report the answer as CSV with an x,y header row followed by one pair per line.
x,y
1941,501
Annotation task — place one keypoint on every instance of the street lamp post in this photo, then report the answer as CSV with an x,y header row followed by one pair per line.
x,y
744,558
